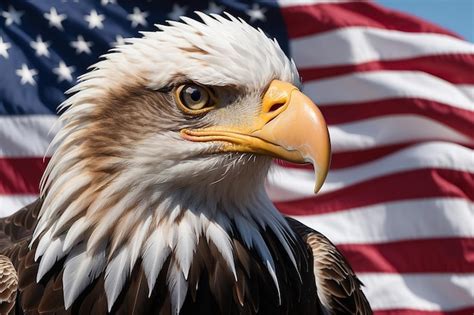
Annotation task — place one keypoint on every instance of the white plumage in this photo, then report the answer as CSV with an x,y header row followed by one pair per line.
x,y
81,268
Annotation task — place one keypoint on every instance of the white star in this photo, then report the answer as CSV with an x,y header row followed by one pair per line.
x,y
177,12
138,17
26,75
4,46
40,47
119,40
214,8
105,2
12,16
64,72
95,20
81,45
55,19
256,13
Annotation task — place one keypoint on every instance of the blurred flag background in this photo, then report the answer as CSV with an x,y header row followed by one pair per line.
x,y
397,92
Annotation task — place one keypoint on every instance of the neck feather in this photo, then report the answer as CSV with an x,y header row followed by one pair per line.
x,y
108,225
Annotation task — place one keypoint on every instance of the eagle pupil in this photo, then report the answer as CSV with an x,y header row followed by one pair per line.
x,y
193,96
194,93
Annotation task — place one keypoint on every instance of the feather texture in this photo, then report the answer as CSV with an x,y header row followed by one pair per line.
x,y
115,275
136,242
338,288
8,285
217,235
177,286
43,244
75,233
80,269
185,246
155,253
53,253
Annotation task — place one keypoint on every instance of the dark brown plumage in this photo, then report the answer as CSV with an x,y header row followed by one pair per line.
x,y
8,285
212,287
338,282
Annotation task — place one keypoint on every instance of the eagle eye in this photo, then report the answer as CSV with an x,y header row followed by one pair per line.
x,y
194,99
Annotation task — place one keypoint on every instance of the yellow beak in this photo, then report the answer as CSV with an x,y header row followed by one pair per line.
x,y
289,127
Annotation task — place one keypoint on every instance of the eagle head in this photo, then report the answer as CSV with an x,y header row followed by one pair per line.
x,y
167,141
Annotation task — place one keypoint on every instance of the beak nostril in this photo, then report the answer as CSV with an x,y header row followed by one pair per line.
x,y
276,106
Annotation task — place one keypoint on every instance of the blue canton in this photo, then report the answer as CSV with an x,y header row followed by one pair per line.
x,y
46,45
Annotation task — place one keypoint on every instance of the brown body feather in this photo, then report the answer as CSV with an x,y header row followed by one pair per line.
x,y
212,288
338,286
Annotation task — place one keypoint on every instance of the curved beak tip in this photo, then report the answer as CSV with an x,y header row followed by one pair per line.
x,y
319,181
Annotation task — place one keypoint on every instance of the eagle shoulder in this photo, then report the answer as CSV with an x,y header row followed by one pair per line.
x,y
338,288
19,225
8,285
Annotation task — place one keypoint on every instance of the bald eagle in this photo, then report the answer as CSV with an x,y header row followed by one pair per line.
x,y
154,199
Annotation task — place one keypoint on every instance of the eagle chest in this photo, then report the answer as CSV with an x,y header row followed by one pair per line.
x,y
212,288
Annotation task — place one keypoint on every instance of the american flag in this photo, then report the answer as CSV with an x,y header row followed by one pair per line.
x,y
397,93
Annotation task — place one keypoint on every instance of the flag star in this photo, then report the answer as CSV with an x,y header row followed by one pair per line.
x,y
12,16
105,2
4,46
55,19
40,47
119,40
256,13
138,17
64,72
26,75
214,8
177,12
81,45
95,20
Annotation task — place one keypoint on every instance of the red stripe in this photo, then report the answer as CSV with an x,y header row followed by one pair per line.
x,y
425,183
454,68
464,311
442,255
354,158
458,119
304,20
20,175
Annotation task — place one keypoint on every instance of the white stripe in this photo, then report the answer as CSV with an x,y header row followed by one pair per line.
x,y
11,203
395,221
468,90
389,130
25,135
429,292
289,183
380,85
353,45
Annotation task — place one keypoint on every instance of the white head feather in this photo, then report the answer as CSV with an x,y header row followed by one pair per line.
x,y
103,212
